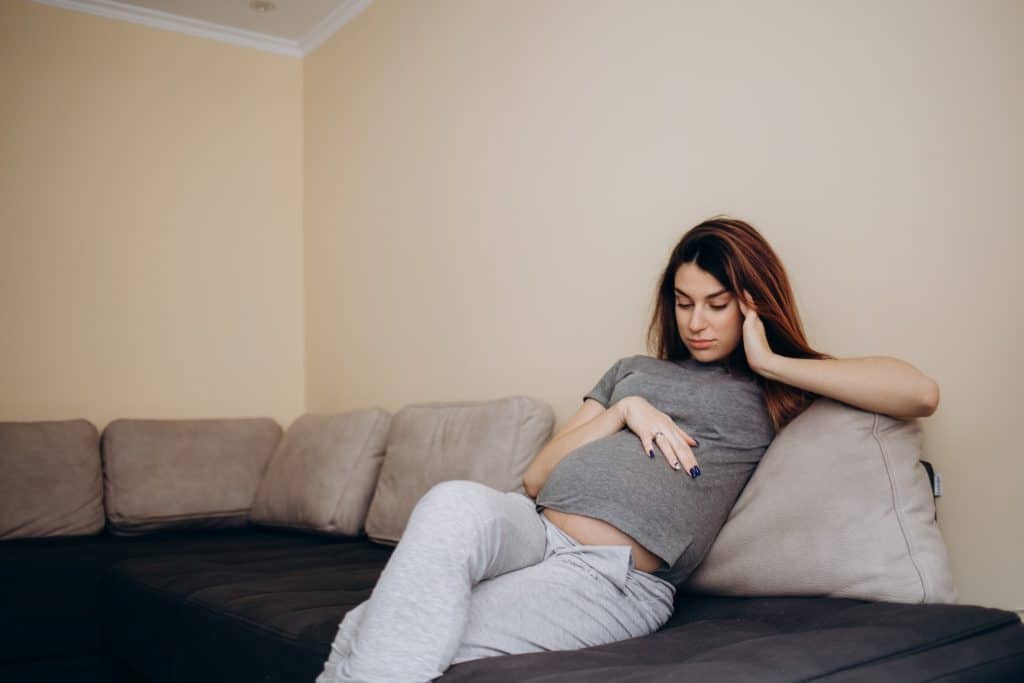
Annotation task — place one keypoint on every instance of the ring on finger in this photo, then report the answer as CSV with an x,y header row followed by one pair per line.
x,y
656,434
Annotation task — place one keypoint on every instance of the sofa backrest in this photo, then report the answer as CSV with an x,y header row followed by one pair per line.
x,y
51,481
491,442
161,474
839,506
146,475
323,473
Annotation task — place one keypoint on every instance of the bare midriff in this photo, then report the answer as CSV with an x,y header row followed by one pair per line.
x,y
591,531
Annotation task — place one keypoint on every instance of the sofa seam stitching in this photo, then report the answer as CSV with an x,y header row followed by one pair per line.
x,y
897,508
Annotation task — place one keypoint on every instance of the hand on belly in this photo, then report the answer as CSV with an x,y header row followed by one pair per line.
x,y
591,531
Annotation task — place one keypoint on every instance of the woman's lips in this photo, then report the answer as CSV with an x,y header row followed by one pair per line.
x,y
701,343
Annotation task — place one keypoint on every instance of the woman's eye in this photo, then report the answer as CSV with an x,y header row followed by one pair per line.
x,y
713,306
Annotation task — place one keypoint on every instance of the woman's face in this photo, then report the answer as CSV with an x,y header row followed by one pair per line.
x,y
705,311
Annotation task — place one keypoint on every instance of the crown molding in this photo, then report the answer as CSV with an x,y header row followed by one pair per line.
x,y
330,24
112,9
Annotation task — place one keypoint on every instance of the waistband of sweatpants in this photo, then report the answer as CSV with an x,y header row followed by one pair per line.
x,y
563,541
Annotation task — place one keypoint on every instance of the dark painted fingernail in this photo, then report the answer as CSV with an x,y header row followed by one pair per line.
x,y
696,443
651,453
694,472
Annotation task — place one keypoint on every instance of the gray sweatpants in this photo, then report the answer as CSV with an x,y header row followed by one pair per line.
x,y
480,573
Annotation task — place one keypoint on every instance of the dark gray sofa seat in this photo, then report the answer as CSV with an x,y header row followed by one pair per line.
x,y
265,610
49,602
51,610
267,605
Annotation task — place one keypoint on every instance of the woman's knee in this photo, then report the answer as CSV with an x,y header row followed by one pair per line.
x,y
460,499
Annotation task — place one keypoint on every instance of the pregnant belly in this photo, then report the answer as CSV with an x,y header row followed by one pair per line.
x,y
590,531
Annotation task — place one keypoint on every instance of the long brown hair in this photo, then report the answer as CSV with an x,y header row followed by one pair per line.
x,y
741,259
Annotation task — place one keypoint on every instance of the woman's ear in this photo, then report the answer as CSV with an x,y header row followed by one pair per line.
x,y
742,299
747,301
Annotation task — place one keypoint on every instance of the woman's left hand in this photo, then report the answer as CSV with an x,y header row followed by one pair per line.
x,y
755,342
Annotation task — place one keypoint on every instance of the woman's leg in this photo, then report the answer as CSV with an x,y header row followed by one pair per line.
x,y
459,534
579,596
341,646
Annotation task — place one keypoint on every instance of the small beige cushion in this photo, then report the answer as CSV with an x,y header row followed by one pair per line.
x,y
839,506
491,442
161,474
51,482
323,473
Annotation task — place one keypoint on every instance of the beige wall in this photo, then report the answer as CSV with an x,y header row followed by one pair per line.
x,y
491,188
150,223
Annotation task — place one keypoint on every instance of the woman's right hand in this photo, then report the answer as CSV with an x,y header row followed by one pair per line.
x,y
656,428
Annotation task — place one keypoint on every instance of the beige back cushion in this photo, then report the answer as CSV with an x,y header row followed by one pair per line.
x,y
163,474
323,473
50,479
839,506
491,442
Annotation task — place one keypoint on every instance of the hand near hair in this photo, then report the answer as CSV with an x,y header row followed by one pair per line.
x,y
755,342
878,384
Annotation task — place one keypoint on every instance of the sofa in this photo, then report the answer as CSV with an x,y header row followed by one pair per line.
x,y
230,550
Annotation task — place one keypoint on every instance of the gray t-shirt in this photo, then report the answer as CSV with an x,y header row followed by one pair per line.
x,y
667,512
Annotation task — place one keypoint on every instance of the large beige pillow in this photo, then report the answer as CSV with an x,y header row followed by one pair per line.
x,y
491,442
839,506
51,482
161,474
323,474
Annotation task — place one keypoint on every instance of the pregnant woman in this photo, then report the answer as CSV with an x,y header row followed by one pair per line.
x,y
625,501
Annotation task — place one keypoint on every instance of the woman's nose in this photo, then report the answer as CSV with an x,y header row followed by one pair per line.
x,y
696,321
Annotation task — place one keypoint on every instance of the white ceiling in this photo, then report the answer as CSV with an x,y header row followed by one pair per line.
x,y
293,27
